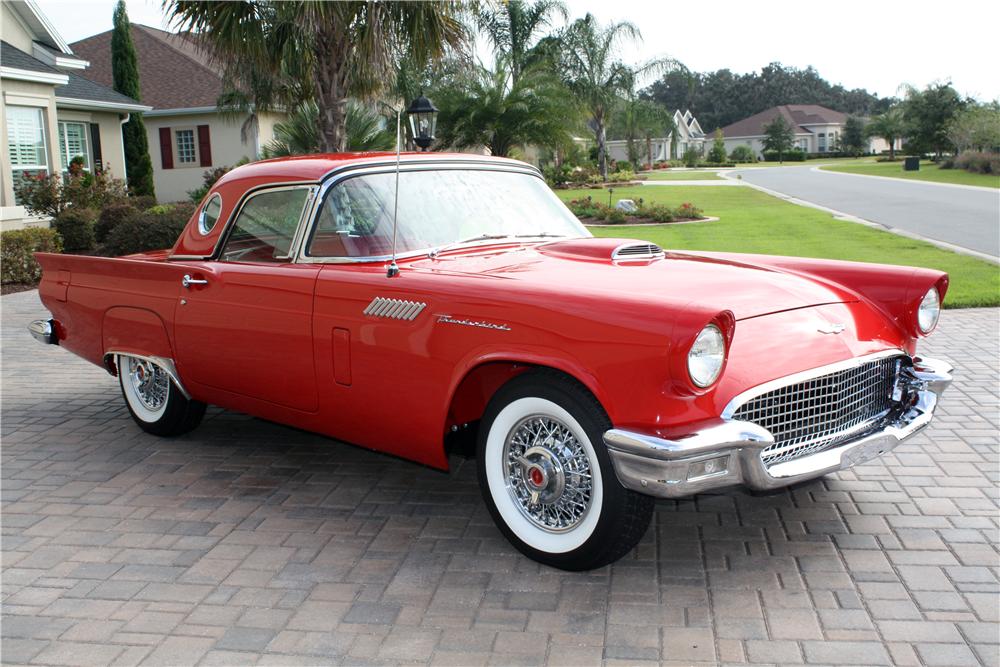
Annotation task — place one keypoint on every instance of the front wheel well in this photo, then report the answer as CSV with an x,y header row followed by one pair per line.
x,y
480,383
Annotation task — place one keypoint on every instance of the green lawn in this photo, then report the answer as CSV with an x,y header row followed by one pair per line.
x,y
672,175
753,222
928,172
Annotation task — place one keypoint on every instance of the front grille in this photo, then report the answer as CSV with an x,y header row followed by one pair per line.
x,y
825,411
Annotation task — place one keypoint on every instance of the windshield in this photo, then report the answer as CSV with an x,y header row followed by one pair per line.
x,y
436,209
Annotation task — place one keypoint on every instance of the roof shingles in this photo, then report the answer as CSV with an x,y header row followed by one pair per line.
x,y
796,115
174,73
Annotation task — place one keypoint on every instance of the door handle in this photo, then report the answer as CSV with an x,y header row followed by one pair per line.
x,y
187,281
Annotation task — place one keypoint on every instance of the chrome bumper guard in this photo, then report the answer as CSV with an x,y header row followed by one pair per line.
x,y
728,453
44,331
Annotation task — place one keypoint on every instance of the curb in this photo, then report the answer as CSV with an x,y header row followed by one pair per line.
x,y
960,186
840,215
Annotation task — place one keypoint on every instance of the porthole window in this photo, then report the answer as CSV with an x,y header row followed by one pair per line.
x,y
210,214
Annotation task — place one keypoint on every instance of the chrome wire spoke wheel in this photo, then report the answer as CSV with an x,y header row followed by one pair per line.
x,y
149,382
548,473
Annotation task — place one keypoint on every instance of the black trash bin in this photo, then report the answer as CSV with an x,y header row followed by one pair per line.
x,y
911,164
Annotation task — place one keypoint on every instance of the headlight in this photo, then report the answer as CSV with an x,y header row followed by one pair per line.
x,y
707,356
929,311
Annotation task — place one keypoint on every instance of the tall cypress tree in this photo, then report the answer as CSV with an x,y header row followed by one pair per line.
x,y
125,68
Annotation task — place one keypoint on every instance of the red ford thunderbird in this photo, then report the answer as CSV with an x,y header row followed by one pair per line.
x,y
390,309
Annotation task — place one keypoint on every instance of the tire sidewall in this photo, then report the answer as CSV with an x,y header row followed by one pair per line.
x,y
135,404
593,422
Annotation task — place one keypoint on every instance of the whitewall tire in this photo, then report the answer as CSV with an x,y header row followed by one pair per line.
x,y
546,476
153,400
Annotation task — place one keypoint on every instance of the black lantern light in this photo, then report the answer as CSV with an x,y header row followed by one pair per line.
x,y
423,119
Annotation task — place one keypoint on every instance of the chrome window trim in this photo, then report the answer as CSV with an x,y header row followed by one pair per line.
x,y
307,207
802,376
352,171
201,214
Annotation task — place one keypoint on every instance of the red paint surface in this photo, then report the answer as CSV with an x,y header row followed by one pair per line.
x,y
290,342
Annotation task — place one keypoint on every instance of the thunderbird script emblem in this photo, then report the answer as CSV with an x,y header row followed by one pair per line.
x,y
832,328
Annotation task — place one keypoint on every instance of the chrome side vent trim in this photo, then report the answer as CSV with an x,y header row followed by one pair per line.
x,y
394,309
637,251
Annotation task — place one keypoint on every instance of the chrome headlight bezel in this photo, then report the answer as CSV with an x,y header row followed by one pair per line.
x,y
707,357
929,311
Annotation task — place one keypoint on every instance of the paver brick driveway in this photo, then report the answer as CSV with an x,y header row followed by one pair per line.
x,y
249,542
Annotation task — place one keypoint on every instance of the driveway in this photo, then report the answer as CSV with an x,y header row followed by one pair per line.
x,y
963,216
249,543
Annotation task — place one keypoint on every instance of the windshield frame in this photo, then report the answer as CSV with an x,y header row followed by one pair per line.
x,y
430,165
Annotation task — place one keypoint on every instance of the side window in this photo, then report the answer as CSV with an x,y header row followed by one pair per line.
x,y
210,214
265,227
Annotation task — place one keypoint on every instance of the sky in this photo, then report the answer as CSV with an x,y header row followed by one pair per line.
x,y
873,44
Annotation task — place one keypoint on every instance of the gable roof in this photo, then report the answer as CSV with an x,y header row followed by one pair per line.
x,y
174,72
798,116
15,58
39,24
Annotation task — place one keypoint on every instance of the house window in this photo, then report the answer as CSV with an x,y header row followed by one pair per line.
x,y
187,152
822,142
73,143
26,143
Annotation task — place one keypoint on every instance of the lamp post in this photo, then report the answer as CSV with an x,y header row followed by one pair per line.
x,y
423,120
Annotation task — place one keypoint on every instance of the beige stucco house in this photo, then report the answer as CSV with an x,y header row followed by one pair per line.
x,y
687,134
50,112
187,132
816,128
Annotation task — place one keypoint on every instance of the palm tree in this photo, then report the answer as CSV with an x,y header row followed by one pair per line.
x,y
341,49
596,77
299,133
493,109
890,126
512,26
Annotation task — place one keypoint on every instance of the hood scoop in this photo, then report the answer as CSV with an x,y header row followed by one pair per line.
x,y
636,252
603,250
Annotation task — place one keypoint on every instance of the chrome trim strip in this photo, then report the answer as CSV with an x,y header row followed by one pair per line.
x,y
163,362
810,374
394,309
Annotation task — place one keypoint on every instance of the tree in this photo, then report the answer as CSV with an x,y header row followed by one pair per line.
x,y
718,152
778,137
852,139
595,75
125,72
493,109
512,28
889,126
976,128
928,114
299,133
337,49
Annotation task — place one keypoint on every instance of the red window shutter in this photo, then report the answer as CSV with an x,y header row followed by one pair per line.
x,y
204,146
166,149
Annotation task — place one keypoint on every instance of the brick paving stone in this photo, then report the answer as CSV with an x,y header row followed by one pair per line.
x,y
246,542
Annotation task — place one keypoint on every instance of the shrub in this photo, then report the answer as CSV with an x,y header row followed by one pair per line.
x,y
155,229
794,155
17,248
50,195
142,202
76,227
718,164
978,162
692,157
111,216
743,154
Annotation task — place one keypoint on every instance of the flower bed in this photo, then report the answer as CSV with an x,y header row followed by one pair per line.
x,y
590,211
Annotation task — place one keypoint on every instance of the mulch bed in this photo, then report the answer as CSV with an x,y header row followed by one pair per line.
x,y
598,222
11,288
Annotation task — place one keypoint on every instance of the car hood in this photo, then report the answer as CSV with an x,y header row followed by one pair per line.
x,y
596,265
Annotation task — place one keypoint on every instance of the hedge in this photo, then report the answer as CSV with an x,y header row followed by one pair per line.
x,y
17,263
790,156
76,227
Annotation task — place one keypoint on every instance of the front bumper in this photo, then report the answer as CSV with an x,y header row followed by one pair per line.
x,y
728,452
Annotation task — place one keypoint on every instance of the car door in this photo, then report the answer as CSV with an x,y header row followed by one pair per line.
x,y
244,321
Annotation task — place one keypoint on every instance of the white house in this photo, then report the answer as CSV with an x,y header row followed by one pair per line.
x,y
51,111
187,133
688,133
816,129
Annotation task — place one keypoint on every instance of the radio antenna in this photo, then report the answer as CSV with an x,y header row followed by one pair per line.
x,y
393,270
